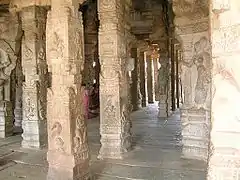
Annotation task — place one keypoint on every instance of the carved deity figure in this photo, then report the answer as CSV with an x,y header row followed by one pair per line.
x,y
163,74
4,72
201,59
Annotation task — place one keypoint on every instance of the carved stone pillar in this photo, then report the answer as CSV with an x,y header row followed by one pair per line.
x,y
163,81
18,98
68,152
10,38
192,27
90,42
34,66
150,84
155,69
114,89
225,133
143,89
135,87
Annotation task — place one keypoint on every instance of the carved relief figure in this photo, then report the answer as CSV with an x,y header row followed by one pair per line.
x,y
42,84
110,108
30,109
80,147
59,44
201,60
163,75
56,131
4,73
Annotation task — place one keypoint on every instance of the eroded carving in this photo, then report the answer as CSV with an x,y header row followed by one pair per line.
x,y
163,76
58,141
201,62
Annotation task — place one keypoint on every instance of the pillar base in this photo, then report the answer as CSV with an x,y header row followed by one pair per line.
x,y
34,134
195,133
66,170
6,119
113,146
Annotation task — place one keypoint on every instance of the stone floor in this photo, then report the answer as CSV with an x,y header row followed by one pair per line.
x,y
156,154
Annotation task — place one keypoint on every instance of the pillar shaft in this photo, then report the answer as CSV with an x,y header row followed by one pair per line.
x,y
173,85
35,70
177,78
9,52
18,98
135,86
224,148
155,69
150,81
143,89
68,152
90,42
195,78
164,81
114,88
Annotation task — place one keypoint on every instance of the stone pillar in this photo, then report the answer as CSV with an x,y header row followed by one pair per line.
x,y
135,86
10,39
143,88
225,125
155,69
114,105
163,81
150,84
18,98
173,85
177,77
34,66
90,42
68,152
192,27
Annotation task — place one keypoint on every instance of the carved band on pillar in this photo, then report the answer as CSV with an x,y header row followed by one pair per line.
x,y
192,26
34,66
114,89
68,152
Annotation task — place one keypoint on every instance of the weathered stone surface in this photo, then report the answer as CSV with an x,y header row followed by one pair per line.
x,y
192,26
10,37
34,67
224,147
68,152
143,87
150,81
114,81
164,91
90,23
18,97
135,82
